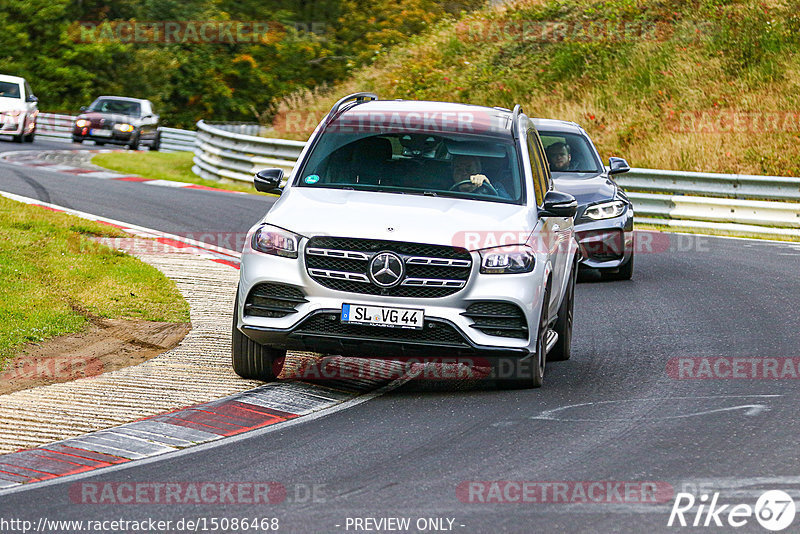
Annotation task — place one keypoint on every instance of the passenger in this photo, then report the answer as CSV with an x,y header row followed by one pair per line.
x,y
559,156
468,168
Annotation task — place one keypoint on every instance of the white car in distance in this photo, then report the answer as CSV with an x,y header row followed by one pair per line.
x,y
18,109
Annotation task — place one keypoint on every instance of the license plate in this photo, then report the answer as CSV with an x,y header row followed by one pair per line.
x,y
101,133
383,316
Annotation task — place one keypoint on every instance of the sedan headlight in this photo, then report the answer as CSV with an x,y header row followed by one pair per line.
x,y
606,210
507,260
124,127
82,123
275,241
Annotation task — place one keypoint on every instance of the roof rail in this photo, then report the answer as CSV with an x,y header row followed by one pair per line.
x,y
358,97
516,113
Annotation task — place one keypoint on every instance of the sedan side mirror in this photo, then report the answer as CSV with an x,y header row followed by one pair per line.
x,y
617,166
268,180
558,204
31,98
83,108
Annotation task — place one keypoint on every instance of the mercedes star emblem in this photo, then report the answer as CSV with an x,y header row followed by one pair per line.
x,y
386,269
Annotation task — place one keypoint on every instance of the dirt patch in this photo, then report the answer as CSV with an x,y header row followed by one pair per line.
x,y
106,345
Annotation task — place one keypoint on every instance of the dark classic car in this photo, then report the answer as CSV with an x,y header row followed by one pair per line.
x,y
118,120
604,221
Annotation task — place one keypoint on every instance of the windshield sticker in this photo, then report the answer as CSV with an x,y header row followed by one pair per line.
x,y
312,179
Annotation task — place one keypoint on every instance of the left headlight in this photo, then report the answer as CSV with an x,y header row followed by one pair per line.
x,y
275,241
507,260
82,123
124,127
606,210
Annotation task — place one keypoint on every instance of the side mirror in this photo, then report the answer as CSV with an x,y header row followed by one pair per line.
x,y
31,98
83,108
558,204
617,166
268,180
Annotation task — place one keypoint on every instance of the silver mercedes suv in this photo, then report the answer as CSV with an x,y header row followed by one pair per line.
x,y
412,229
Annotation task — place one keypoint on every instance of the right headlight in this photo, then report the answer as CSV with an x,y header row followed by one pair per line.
x,y
275,241
606,210
507,260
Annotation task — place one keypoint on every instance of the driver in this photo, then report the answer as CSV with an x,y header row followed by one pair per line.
x,y
559,156
467,169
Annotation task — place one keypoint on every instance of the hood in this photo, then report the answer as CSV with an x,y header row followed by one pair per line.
x,y
586,190
110,118
10,104
471,224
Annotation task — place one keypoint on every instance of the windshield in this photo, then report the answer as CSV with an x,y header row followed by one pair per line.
x,y
398,161
9,90
569,153
122,107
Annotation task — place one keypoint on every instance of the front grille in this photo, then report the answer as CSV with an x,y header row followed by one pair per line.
x,y
273,300
431,271
501,319
329,324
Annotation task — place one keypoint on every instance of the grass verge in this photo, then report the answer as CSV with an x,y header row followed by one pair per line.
x,y
715,232
53,276
174,166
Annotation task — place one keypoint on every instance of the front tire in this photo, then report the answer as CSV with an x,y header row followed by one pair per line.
x,y
624,272
156,144
528,374
252,360
134,144
77,140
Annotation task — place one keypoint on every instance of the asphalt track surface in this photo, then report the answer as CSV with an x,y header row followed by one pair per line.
x,y
611,413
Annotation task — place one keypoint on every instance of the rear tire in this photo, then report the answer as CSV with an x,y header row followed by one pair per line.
x,y
530,373
252,360
562,350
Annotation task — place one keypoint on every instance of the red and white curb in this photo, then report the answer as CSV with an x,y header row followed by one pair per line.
x,y
30,158
266,406
176,242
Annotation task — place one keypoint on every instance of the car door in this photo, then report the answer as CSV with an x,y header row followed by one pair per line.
x,y
557,230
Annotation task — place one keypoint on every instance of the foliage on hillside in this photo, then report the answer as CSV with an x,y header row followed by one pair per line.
x,y
70,62
681,84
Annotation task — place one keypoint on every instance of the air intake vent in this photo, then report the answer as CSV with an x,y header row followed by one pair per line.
x,y
273,300
501,319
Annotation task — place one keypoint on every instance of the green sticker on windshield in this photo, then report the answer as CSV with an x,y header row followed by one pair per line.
x,y
312,179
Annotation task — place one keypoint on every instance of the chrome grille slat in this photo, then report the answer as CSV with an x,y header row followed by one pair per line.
x,y
432,282
438,262
334,253
339,275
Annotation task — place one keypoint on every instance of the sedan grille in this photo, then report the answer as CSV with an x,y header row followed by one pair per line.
x,y
501,319
273,300
431,271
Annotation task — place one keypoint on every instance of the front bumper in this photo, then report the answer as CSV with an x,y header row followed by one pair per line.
x,y
117,137
323,306
606,244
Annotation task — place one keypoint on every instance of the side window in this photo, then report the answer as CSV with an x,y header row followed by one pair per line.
x,y
540,177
